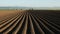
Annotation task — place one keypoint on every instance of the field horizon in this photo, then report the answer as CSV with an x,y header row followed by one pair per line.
x,y
27,8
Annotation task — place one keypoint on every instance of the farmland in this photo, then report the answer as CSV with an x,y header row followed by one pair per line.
x,y
30,21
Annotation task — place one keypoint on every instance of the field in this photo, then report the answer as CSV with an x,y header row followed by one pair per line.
x,y
30,21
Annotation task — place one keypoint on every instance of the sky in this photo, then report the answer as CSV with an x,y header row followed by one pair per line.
x,y
30,3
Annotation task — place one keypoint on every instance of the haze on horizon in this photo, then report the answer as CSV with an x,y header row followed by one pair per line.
x,y
30,3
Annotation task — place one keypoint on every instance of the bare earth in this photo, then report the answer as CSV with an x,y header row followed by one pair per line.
x,y
30,21
7,12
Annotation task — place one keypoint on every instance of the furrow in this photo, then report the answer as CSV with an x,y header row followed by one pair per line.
x,y
19,26
32,28
40,30
8,17
8,24
52,27
8,21
26,24
45,26
52,23
15,23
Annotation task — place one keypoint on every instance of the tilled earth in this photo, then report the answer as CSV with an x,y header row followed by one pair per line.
x,y
31,22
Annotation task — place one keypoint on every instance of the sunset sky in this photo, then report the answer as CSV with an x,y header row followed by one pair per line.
x,y
30,3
